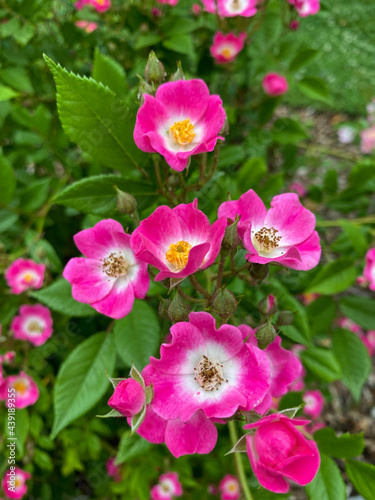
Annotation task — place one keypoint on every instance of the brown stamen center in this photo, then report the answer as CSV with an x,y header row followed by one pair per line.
x,y
115,265
266,239
35,327
209,374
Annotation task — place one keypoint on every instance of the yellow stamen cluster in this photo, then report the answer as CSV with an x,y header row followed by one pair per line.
x,y
182,132
35,327
209,374
20,386
227,53
178,254
115,265
266,239
28,277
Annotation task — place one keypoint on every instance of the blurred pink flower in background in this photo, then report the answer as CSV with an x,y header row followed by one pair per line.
x,y
229,488
22,388
225,48
275,84
231,8
87,26
368,140
169,487
306,7
113,470
346,134
369,269
14,483
314,403
33,323
23,274
169,2
298,188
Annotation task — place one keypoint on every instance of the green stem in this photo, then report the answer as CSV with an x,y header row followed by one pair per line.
x,y
199,288
220,273
238,460
370,219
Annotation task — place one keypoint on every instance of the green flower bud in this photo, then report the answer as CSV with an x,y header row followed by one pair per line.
x,y
231,239
268,305
285,318
154,70
265,334
224,303
163,307
126,203
177,75
258,273
178,310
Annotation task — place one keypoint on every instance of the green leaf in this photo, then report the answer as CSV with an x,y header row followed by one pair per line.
x,y
81,381
130,447
321,313
288,131
17,78
7,93
302,58
34,195
250,173
7,180
58,297
270,30
314,88
344,446
356,237
19,431
137,335
363,478
146,40
334,277
96,195
98,121
360,310
110,73
322,362
182,44
353,358
43,460
328,483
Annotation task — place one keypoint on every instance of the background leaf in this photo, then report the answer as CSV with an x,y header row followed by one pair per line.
x,y
344,446
363,478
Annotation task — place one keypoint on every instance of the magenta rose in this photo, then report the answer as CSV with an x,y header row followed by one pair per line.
x,y
183,119
278,452
274,84
129,398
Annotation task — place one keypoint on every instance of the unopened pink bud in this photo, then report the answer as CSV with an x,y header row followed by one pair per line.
x,y
275,84
129,398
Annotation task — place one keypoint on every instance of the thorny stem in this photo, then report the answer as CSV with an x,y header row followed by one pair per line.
x,y
190,299
238,461
220,273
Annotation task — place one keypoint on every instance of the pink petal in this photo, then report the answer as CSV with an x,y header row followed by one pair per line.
x,y
89,283
118,303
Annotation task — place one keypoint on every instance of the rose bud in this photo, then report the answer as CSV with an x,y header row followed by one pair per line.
x,y
129,398
279,451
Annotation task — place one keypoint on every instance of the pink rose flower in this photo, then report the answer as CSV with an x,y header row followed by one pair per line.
x,y
101,5
22,387
286,367
128,398
87,26
231,8
169,487
225,48
200,360
348,324
369,341
178,241
34,323
80,4
196,9
156,12
24,274
180,121
275,84
306,7
14,483
314,403
229,488
368,140
369,270
197,435
111,276
209,6
113,470
283,234
279,451
8,357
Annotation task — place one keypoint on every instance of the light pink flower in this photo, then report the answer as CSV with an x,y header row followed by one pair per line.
x,y
8,357
308,298
209,6
101,5
33,323
314,403
346,134
196,9
111,276
88,26
298,188
306,7
22,388
178,241
80,4
368,140
231,8
286,367
283,234
348,324
169,2
180,121
169,487
128,398
369,341
369,270
207,369
229,488
275,84
279,451
225,48
23,274
14,482
113,470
